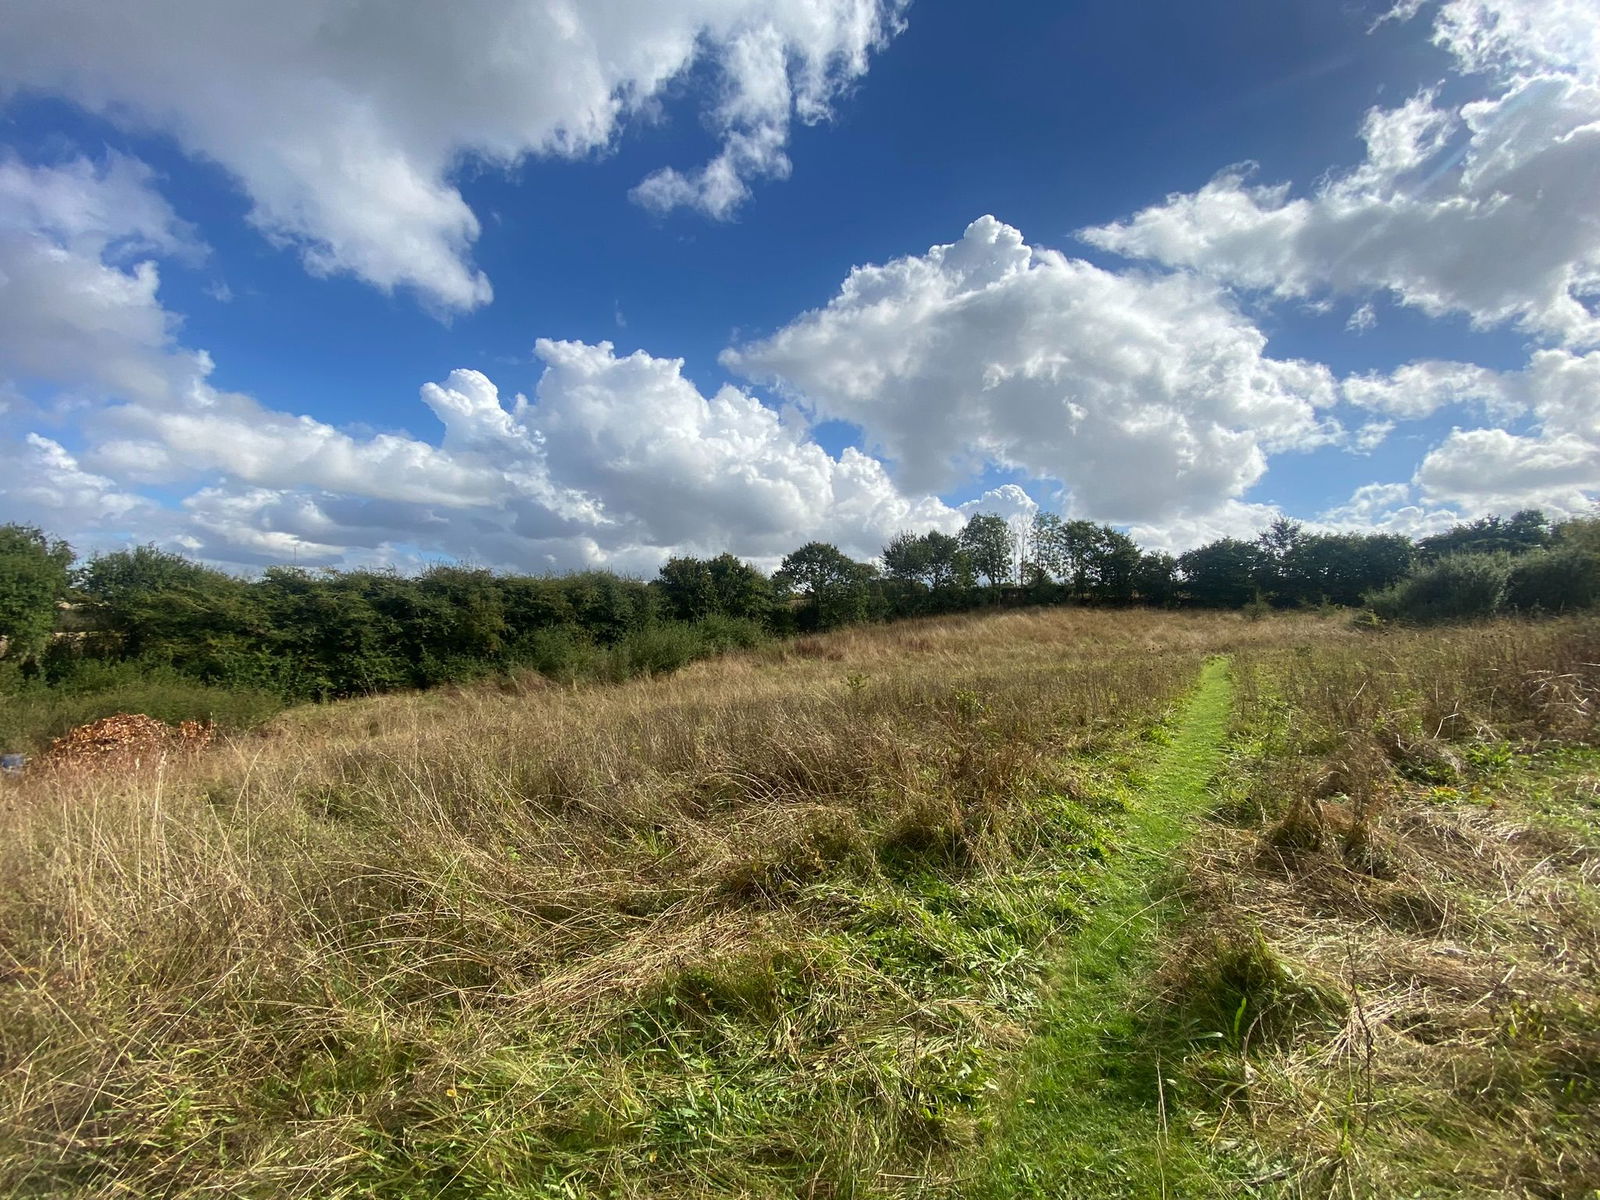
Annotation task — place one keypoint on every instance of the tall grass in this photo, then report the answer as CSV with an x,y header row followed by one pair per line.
x,y
1399,911
762,927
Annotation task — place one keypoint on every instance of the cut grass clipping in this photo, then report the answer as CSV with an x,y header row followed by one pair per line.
x,y
1088,1119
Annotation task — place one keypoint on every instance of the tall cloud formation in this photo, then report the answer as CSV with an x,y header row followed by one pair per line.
x,y
1145,394
617,460
344,120
1150,398
1487,209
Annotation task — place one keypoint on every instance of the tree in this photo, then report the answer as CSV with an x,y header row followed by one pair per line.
x,y
1221,574
1581,533
1156,578
532,604
1562,579
123,576
905,558
1108,562
832,585
333,634
948,564
687,590
608,606
934,559
1276,551
1343,567
1527,530
161,603
739,589
989,545
1078,539
465,619
1050,546
33,578
693,589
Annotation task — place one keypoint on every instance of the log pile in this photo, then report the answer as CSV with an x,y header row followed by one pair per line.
x,y
126,740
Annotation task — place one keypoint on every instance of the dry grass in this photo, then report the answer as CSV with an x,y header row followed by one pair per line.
x,y
1391,974
760,928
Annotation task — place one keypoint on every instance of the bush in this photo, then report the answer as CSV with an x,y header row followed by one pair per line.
x,y
658,649
731,633
1554,581
563,652
1461,587
1256,609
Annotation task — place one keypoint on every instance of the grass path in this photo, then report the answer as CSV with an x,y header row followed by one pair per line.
x,y
1087,1119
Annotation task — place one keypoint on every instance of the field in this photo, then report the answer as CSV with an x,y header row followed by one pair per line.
x,y
1062,902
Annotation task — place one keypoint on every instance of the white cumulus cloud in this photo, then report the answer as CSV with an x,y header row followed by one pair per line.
x,y
616,460
1485,208
346,121
1420,389
1389,508
1554,464
45,486
1147,397
1522,36
77,283
1492,470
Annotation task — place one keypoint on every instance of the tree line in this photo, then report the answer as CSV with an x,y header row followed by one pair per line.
x,y
319,634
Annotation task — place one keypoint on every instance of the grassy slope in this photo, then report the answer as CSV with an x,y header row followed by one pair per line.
x,y
778,925
771,926
1088,1119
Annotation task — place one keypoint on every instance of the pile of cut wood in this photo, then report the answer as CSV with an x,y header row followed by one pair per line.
x,y
125,740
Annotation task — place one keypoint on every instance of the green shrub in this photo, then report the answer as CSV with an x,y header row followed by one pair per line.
x,y
1461,587
1256,609
658,649
563,652
1554,581
730,633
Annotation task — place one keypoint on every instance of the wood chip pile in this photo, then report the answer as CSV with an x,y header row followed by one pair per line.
x,y
125,740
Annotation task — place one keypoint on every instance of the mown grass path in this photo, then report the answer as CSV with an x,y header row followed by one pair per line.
x,y
1088,1118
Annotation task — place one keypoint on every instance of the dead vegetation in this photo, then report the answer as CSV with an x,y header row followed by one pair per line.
x,y
776,925
1389,983
124,741
764,927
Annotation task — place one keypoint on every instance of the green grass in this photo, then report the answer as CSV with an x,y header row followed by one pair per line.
x,y
1088,1116
893,913
33,713
776,925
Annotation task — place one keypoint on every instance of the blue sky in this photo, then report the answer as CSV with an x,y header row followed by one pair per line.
x,y
1183,268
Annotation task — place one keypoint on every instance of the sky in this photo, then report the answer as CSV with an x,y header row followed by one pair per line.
x,y
545,285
